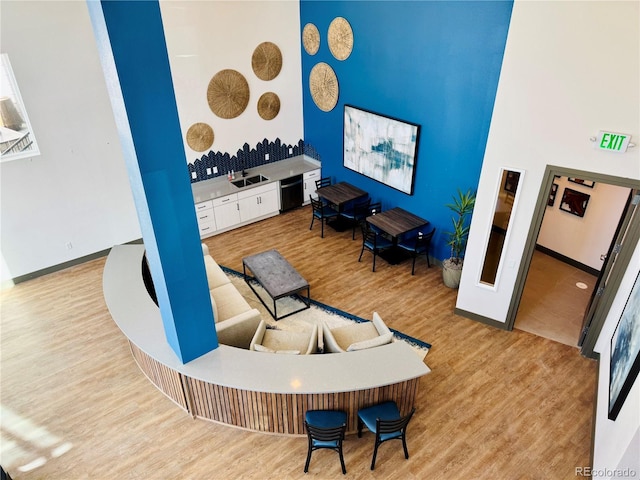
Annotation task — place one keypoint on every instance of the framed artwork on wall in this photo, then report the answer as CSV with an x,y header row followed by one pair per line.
x,y
625,352
580,181
381,147
574,202
552,195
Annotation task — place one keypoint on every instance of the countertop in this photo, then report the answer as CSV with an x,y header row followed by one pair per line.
x,y
140,321
221,186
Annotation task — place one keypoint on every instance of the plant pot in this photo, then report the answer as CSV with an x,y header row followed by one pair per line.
x,y
451,273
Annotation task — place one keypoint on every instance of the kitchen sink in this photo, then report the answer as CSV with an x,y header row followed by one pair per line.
x,y
243,182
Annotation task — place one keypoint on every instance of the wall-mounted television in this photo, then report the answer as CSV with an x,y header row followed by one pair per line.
x,y
381,147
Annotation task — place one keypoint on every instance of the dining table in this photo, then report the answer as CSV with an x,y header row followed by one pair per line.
x,y
338,195
395,223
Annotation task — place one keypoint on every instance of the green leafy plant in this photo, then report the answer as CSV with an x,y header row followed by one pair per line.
x,y
462,206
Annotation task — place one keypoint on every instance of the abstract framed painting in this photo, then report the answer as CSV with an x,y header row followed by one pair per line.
x,y
625,352
381,147
574,202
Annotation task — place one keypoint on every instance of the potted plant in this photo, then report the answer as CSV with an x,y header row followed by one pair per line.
x,y
462,206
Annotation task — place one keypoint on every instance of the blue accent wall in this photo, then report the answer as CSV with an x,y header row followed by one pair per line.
x,y
148,118
434,63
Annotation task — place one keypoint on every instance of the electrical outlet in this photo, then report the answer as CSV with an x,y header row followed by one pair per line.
x,y
208,171
194,175
290,150
215,170
266,156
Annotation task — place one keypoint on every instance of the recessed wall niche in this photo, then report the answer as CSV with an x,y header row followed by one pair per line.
x,y
505,203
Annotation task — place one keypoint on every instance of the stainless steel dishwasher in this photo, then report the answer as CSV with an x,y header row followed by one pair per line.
x,y
291,193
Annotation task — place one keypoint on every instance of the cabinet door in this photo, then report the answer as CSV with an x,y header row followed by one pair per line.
x,y
309,182
269,202
249,208
226,214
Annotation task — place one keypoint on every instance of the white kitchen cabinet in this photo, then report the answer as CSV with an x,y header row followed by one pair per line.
x,y
309,183
206,218
259,202
226,211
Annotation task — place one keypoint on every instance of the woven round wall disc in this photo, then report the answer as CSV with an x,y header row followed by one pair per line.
x,y
266,61
200,137
323,84
340,38
311,38
269,106
228,94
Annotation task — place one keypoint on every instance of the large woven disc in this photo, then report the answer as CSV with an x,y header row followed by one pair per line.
x,y
266,61
269,106
323,84
340,38
311,38
228,94
200,137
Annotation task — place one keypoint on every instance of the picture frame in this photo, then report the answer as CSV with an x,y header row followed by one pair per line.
x,y
624,361
380,147
552,195
584,183
574,202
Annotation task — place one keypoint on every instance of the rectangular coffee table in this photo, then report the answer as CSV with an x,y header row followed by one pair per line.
x,y
279,279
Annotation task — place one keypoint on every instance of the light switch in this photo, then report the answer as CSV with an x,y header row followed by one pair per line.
x,y
208,171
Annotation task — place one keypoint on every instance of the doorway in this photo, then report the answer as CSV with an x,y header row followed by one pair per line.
x,y
550,299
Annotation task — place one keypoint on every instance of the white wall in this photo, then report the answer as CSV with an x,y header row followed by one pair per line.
x,y
77,190
583,239
206,37
612,438
569,70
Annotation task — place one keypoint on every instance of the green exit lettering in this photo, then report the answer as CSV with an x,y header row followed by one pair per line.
x,y
613,142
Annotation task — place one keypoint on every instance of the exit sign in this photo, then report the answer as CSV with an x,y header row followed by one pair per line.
x,y
612,142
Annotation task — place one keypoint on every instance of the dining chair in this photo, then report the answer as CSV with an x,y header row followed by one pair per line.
x,y
355,213
323,182
385,421
321,212
372,241
325,429
417,244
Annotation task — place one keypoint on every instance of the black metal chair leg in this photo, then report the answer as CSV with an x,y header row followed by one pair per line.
x,y
306,465
344,469
312,219
375,453
404,445
413,265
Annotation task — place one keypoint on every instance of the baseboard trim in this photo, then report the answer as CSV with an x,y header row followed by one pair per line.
x,y
70,263
482,319
567,260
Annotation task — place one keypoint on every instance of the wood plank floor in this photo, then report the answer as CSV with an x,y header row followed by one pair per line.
x,y
497,405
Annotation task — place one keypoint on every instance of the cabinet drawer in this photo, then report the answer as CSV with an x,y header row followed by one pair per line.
x,y
204,205
252,192
205,215
206,228
313,174
224,200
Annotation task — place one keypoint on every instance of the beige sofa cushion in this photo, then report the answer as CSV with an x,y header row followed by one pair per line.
x,y
372,342
356,332
229,302
215,275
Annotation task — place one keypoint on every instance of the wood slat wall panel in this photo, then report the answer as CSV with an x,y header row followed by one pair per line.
x,y
284,413
168,381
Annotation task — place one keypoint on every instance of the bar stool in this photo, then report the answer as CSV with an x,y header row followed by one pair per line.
x,y
385,421
325,429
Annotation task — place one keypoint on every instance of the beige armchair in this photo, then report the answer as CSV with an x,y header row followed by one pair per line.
x,y
281,341
357,336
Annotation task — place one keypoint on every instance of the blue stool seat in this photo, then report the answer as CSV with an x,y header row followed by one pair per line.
x,y
384,411
325,429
